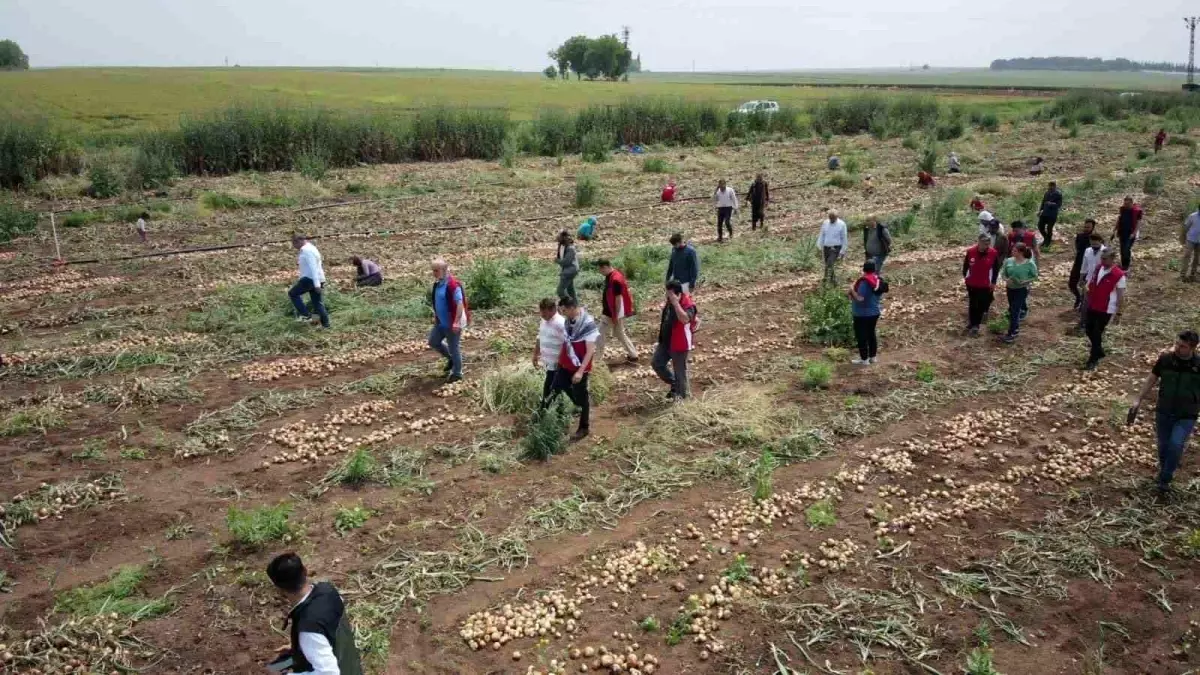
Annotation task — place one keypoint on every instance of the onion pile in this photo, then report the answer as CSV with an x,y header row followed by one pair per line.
x,y
324,365
134,342
549,615
96,644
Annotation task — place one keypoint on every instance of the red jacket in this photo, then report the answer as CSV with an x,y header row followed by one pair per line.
x,y
1160,138
617,289
668,193
1028,239
683,331
452,286
574,349
1100,293
978,205
980,270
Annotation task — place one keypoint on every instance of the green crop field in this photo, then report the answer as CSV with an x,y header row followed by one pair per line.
x,y
132,99
944,77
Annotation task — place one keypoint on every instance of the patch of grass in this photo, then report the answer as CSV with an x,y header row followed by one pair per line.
x,y
738,570
1189,544
546,433
827,318
93,450
222,201
15,221
820,515
983,634
994,189
252,528
118,594
926,372
764,468
357,469
649,624
817,375
836,354
514,390
656,165
910,142
1153,183
597,146
1143,154
134,454
40,418
105,183
842,181
486,285
998,325
357,188
979,662
587,191
351,518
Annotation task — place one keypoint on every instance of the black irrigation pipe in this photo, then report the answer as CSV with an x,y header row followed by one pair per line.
x,y
338,235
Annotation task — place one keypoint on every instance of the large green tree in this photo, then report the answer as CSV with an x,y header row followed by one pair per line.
x,y
605,57
11,56
574,52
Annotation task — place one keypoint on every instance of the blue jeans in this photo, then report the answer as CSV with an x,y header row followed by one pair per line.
x,y
878,262
1173,432
296,293
450,349
1018,299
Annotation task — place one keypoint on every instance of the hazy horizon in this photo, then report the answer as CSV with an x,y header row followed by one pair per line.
x,y
672,36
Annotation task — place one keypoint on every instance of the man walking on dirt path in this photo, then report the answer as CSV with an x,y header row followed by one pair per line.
x,y
726,201
320,636
877,242
312,280
552,334
1021,235
981,268
676,331
1190,238
684,265
575,362
1106,291
568,265
141,227
1159,139
617,302
1052,203
450,317
832,241
1126,230
1083,240
759,196
1177,374
1091,261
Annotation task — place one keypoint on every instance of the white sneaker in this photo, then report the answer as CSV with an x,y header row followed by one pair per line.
x,y
860,362
873,359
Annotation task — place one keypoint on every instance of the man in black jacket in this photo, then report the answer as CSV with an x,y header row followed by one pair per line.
x,y
1083,240
322,641
758,196
684,264
1052,203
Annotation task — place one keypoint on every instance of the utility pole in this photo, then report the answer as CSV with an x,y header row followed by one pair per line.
x,y
1191,22
625,40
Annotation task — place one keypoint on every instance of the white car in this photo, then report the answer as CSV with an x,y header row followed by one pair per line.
x,y
750,107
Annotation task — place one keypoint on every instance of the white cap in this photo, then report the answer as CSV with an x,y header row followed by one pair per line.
x,y
985,216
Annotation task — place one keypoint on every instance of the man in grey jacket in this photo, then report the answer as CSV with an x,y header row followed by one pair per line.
x,y
684,266
568,266
877,242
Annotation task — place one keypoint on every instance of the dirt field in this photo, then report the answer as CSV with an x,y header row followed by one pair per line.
x,y
962,506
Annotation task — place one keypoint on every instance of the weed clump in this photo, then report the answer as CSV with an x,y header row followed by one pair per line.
x,y
116,595
597,147
1153,183
827,318
105,183
15,221
252,528
656,165
587,192
514,390
485,280
546,433
817,375
764,468
820,515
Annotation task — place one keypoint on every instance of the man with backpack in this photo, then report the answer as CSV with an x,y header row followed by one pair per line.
x,y
877,242
617,302
450,318
1052,203
981,268
865,294
321,638
676,331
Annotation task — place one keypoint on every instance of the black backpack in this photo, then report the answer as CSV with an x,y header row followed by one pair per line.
x,y
883,287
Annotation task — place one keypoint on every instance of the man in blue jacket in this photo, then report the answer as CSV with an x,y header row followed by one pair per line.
x,y
684,266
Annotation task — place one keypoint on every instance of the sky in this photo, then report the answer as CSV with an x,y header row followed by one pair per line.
x,y
671,35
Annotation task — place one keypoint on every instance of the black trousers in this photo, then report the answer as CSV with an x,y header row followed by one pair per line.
x,y
369,279
757,215
1073,283
724,219
577,393
1046,227
1126,251
979,301
864,333
1094,324
548,386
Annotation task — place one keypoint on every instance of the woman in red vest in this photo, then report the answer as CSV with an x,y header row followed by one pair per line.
x,y
1106,290
981,267
617,301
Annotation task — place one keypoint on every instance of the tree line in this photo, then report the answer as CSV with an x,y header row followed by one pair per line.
x,y
11,56
607,57
1085,64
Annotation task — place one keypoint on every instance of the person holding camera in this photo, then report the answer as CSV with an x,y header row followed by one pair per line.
x,y
322,641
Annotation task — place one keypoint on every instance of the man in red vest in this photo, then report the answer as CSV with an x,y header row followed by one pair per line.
x,y
1106,290
981,268
617,302
1020,234
668,192
575,362
676,332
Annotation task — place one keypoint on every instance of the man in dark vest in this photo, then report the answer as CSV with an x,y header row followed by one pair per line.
x,y
322,641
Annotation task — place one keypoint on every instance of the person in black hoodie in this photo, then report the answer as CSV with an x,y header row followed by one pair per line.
x,y
758,196
1052,203
1083,240
322,641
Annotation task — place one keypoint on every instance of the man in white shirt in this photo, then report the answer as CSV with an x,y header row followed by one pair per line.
x,y
1191,247
726,201
1091,260
312,280
832,241
552,334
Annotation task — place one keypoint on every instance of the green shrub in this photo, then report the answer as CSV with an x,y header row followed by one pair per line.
x,y
988,121
1073,130
903,223
656,165
641,263
1181,140
221,201
943,211
827,318
587,191
313,163
929,158
926,372
817,374
515,390
851,165
30,150
597,147
15,221
509,151
254,527
546,433
873,113
357,188
820,515
485,283
155,163
910,142
105,183
350,518
843,181
357,469
1153,183
949,130
764,468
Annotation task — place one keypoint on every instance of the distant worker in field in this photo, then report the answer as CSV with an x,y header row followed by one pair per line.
x,y
834,163
575,362
877,242
1177,374
953,165
1083,240
1022,235
587,229
865,295
1037,167
977,204
1019,272
450,317
617,302
759,196
367,272
1106,291
321,637
925,180
1159,139
676,333
684,265
312,280
668,192
1129,219
568,265
832,241
1189,237
1052,202
980,270
140,227
726,201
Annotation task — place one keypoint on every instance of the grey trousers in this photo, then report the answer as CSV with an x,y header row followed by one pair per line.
x,y
832,255
676,374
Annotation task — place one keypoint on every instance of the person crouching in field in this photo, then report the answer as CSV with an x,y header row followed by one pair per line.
x,y
575,361
1019,273
1177,374
865,294
617,302
676,332
312,280
450,318
552,334
320,636
925,180
668,192
981,266
367,272
587,229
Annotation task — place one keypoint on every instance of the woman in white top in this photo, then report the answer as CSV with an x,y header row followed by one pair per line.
x,y
552,333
